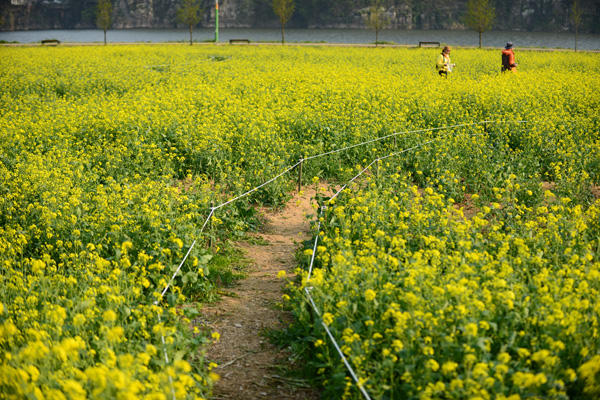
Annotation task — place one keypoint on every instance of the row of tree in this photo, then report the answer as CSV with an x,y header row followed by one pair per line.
x,y
190,14
480,16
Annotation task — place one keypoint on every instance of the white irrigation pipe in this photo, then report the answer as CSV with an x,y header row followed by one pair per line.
x,y
426,143
212,210
258,187
306,289
331,337
178,268
363,391
352,180
404,151
163,293
360,386
406,132
166,358
312,257
184,258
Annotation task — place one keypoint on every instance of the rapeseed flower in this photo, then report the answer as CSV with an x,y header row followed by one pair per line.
x,y
94,216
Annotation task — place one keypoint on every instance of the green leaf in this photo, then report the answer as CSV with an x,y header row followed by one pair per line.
x,y
179,355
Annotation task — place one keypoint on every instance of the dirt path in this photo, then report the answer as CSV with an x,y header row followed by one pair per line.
x,y
249,365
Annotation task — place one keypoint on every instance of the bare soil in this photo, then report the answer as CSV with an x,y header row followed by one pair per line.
x,y
596,192
468,207
250,366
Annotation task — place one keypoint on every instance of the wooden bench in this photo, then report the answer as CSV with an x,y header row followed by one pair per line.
x,y
239,41
51,41
438,44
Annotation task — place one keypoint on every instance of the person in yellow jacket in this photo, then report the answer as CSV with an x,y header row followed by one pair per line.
x,y
443,65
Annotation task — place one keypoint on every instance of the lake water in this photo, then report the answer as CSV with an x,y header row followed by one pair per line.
x,y
359,36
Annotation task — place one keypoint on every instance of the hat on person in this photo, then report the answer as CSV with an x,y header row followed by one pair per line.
x,y
509,45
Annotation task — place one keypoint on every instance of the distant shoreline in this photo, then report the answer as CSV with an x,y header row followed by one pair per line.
x,y
258,43
326,37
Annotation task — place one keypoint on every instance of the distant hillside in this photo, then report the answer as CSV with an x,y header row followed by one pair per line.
x,y
523,15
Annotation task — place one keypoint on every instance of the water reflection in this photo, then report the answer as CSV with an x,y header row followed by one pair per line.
x,y
360,36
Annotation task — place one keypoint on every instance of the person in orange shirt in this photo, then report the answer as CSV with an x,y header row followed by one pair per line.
x,y
508,58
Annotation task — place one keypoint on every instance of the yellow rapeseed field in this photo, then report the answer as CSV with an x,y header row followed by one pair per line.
x,y
467,268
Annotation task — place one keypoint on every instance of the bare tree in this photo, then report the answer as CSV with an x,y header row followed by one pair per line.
x,y
576,18
190,14
375,19
284,10
480,16
103,16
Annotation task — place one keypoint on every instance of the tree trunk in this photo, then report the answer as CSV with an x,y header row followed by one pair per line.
x,y
105,37
479,39
376,37
191,35
282,34
575,38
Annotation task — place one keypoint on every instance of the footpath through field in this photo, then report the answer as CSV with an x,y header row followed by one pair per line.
x,y
249,365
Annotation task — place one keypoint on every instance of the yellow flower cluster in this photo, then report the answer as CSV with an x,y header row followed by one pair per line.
x,y
427,303
111,157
